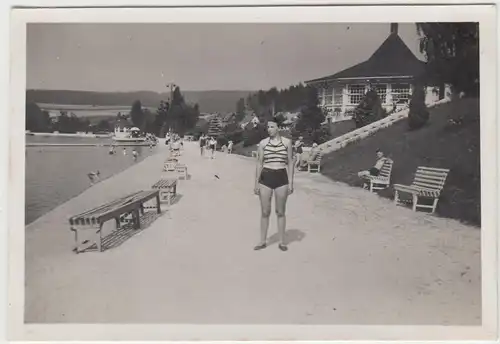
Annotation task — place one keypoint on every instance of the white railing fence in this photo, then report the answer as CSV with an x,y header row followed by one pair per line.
x,y
361,133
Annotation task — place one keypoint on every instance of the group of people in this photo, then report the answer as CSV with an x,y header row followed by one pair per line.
x,y
175,143
300,157
208,143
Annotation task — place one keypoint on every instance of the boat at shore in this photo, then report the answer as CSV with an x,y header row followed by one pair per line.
x,y
131,136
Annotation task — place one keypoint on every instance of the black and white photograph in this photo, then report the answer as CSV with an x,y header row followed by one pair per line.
x,y
256,172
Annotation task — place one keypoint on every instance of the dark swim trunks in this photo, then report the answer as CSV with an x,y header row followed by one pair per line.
x,y
273,179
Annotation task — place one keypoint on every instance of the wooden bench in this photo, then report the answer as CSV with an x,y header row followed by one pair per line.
x,y
428,183
314,165
181,169
93,219
383,180
167,188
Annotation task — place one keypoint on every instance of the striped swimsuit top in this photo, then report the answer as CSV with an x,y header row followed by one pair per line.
x,y
275,153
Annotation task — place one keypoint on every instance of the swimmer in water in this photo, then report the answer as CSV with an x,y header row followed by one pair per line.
x,y
94,176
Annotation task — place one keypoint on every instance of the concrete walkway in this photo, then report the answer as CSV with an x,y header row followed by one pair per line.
x,y
353,258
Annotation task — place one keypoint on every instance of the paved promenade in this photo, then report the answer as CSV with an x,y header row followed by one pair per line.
x,y
353,258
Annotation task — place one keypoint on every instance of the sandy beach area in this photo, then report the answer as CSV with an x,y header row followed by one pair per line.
x,y
353,258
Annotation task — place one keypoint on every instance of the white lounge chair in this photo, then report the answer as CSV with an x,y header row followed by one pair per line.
x,y
383,180
315,165
428,183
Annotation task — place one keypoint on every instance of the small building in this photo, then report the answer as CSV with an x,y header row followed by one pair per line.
x,y
391,70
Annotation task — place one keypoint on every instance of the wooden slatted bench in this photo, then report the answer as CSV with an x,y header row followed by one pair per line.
x,y
167,188
381,181
93,219
428,182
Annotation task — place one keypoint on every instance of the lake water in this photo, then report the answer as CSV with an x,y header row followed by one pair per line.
x,y
54,175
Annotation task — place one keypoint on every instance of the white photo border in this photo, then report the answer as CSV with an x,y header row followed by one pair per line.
x,y
484,14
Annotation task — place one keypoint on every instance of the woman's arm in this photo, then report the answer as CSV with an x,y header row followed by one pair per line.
x,y
258,168
291,164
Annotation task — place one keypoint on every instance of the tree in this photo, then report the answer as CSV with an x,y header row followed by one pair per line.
x,y
137,114
104,125
418,114
368,110
240,109
161,117
452,53
310,118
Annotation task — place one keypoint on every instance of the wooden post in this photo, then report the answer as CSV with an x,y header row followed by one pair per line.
x,y
415,200
76,240
158,203
137,219
396,197
434,205
98,236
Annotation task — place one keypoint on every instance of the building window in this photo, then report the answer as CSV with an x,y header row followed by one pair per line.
x,y
356,94
337,95
401,93
381,90
320,96
328,96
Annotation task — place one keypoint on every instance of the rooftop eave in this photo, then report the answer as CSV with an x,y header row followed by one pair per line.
x,y
322,81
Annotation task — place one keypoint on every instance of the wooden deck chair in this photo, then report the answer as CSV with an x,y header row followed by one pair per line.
x,y
169,165
315,165
428,182
182,171
383,180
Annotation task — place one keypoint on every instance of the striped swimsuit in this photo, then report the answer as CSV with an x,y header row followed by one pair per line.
x,y
274,153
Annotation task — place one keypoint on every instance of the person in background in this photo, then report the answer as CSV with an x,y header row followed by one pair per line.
x,y
203,142
313,154
375,170
134,154
94,177
124,151
299,144
212,145
230,147
176,147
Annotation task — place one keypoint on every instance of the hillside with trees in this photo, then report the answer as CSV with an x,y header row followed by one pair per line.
x,y
208,101
178,116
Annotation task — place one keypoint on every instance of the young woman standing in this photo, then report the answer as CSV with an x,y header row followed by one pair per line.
x,y
274,175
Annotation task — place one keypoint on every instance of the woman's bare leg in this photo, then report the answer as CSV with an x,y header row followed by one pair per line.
x,y
265,204
281,196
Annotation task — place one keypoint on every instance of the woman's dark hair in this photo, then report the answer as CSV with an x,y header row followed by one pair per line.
x,y
279,119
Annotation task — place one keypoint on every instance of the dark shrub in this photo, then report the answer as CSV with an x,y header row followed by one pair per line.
x,y
419,114
369,110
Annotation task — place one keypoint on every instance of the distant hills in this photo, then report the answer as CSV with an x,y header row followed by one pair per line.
x,y
208,101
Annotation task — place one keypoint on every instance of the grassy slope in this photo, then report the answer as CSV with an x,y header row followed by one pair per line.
x,y
438,144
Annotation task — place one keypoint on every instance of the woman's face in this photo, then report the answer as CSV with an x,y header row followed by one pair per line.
x,y
272,128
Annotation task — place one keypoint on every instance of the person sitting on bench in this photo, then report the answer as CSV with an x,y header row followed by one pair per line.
x,y
375,170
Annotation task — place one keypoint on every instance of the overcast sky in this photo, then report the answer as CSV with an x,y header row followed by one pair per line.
x,y
133,57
